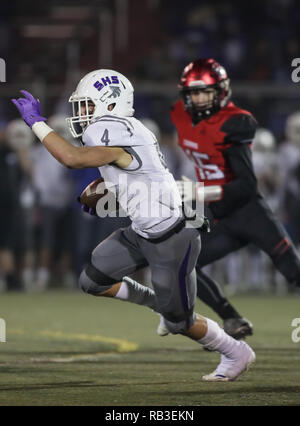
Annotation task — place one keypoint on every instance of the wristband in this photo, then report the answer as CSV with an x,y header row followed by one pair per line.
x,y
210,193
41,130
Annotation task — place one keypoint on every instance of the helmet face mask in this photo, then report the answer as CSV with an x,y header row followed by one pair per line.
x,y
191,96
81,116
204,74
99,93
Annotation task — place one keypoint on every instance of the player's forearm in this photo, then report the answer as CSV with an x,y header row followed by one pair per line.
x,y
80,157
235,195
62,150
71,156
245,183
190,190
239,189
242,188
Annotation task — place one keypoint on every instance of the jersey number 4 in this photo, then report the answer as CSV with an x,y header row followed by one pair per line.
x,y
206,171
105,138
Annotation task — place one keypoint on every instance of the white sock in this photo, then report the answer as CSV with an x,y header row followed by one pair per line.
x,y
217,340
131,291
123,292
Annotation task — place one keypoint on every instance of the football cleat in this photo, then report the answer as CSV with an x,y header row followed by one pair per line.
x,y
238,328
231,368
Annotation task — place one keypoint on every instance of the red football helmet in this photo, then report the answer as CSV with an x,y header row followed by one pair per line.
x,y
203,74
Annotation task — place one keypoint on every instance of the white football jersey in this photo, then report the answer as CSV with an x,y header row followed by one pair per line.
x,y
146,190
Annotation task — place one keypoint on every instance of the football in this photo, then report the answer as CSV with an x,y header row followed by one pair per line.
x,y
92,193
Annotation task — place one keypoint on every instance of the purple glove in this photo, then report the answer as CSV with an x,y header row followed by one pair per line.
x,y
29,108
87,209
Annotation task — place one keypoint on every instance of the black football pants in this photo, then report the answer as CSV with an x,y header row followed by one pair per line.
x,y
253,223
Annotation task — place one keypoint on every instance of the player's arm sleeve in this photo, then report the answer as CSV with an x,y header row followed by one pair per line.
x,y
244,186
240,131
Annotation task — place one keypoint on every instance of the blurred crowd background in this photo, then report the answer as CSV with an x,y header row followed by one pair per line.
x,y
45,238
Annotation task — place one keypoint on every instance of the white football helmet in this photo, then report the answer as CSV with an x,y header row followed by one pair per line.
x,y
107,91
18,134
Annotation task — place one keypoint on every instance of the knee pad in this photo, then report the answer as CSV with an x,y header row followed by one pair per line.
x,y
182,326
93,281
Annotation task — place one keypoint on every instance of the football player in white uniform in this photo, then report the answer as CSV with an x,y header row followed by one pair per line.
x,y
128,157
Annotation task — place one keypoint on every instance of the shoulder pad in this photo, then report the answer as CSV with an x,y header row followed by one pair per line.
x,y
108,130
115,121
239,128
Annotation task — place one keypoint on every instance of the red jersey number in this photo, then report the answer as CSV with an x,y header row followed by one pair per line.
x,y
206,171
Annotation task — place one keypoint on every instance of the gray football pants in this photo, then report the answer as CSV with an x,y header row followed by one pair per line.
x,y
172,263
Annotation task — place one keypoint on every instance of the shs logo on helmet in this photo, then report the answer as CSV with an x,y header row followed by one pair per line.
x,y
105,81
99,93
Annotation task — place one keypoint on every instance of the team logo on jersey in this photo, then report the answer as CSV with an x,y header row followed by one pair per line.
x,y
106,81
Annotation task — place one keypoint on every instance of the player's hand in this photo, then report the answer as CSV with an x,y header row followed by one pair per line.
x,y
85,208
190,191
88,210
29,108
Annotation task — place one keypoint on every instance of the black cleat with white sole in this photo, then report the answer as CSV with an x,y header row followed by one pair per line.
x,y
238,328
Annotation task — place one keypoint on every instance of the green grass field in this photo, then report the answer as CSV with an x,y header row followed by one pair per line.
x,y
67,348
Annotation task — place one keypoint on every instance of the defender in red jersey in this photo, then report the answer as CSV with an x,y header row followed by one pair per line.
x,y
216,135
